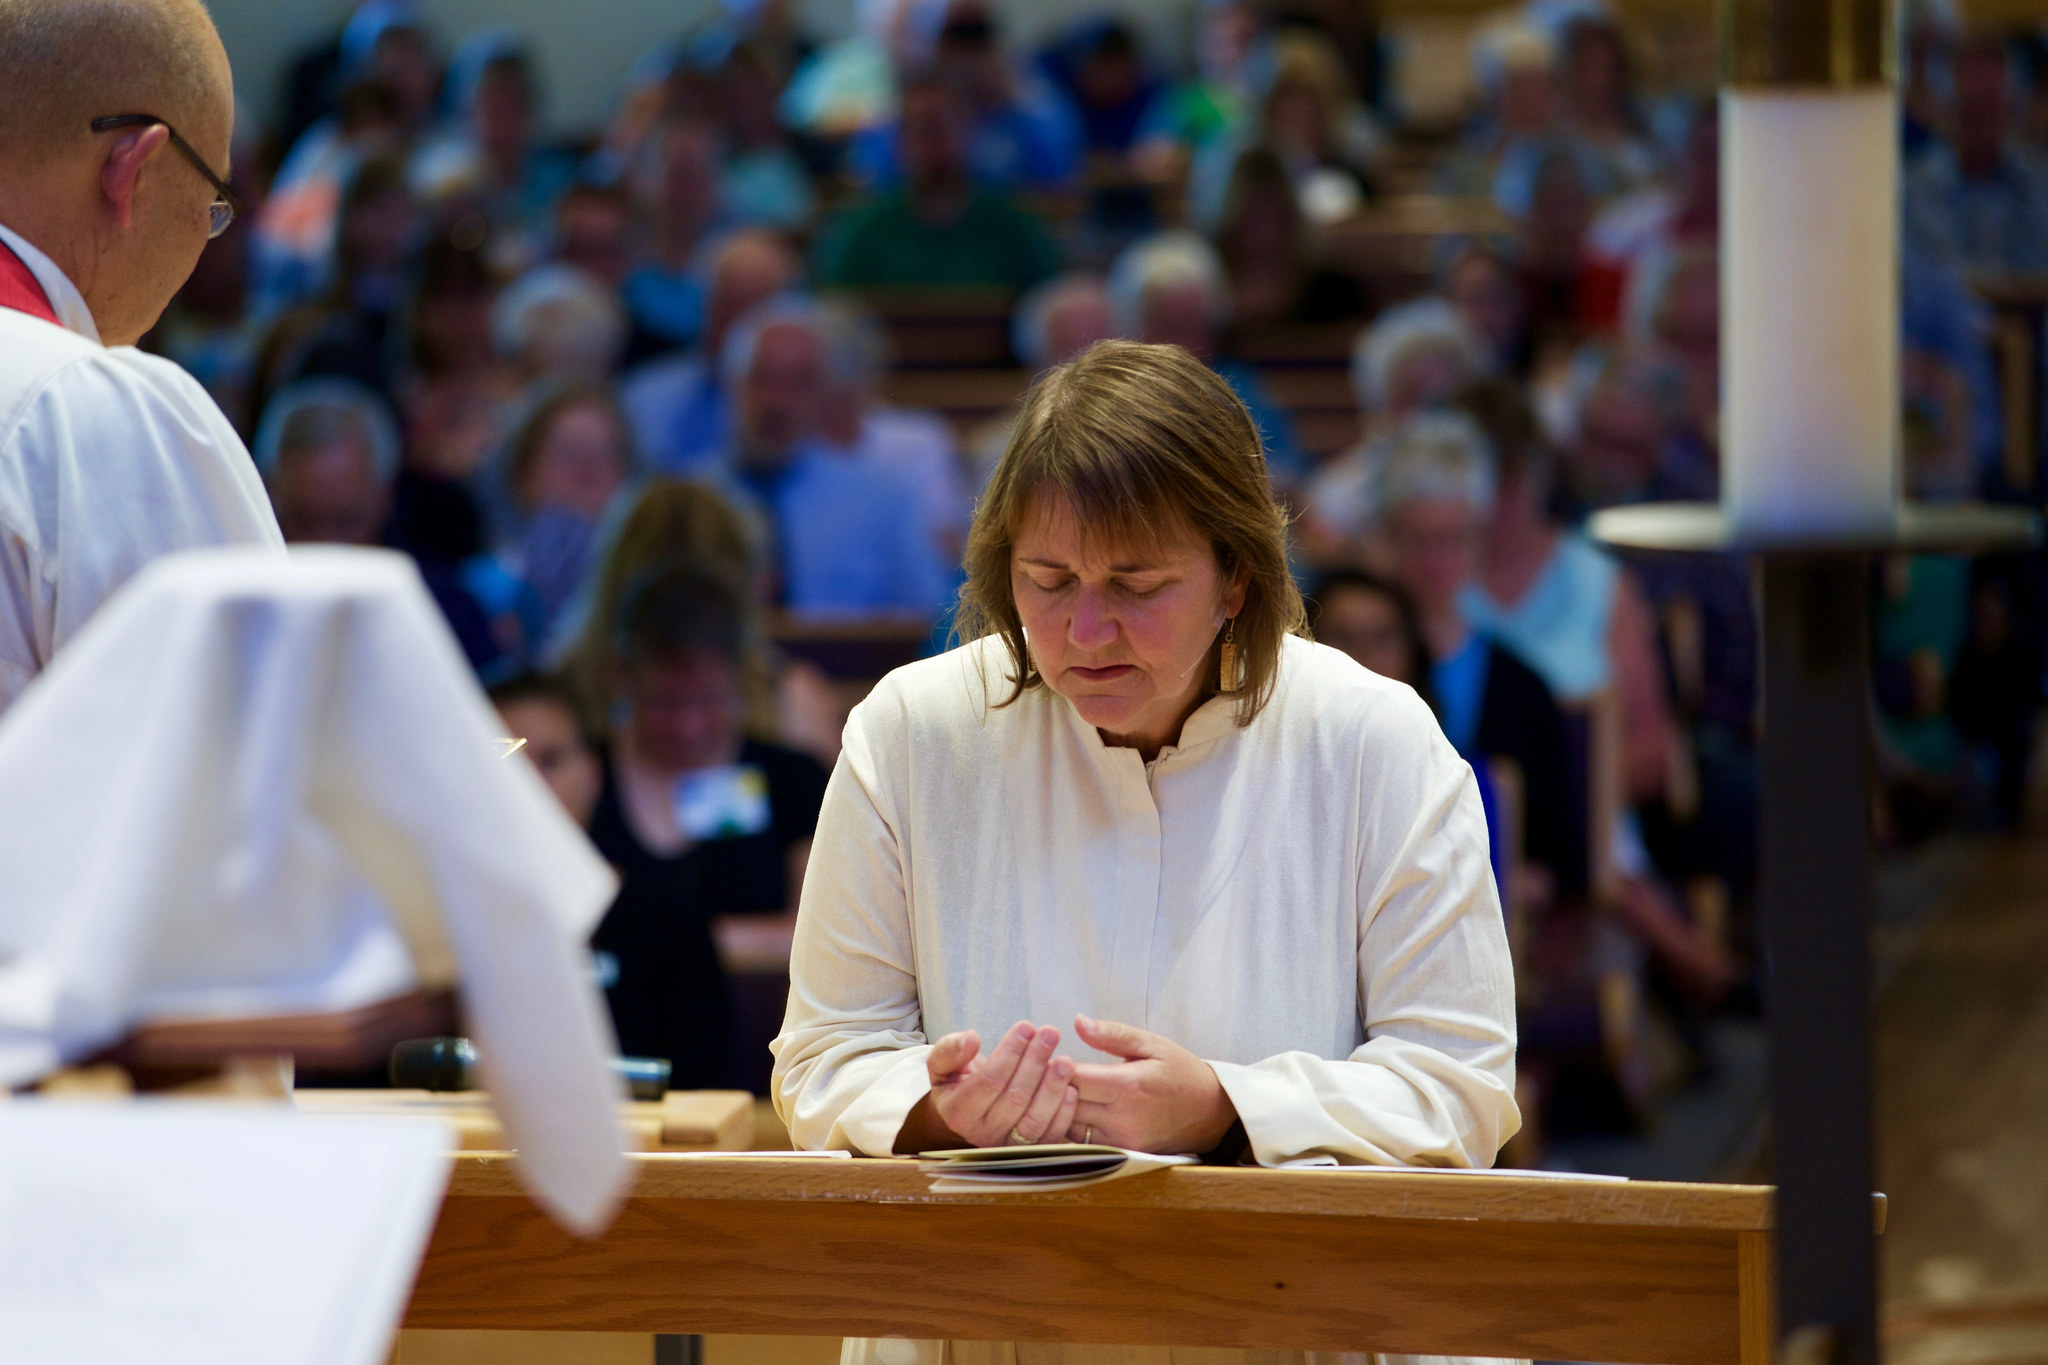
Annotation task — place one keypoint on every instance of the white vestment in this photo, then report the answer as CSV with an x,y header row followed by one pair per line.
x,y
108,459
1305,902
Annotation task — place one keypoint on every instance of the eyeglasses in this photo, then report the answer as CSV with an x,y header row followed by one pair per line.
x,y
224,207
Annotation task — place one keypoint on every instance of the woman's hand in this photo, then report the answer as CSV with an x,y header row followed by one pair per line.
x,y
1018,1093
1159,1098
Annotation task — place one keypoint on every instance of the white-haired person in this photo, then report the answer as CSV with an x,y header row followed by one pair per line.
x,y
847,538
559,323
1054,322
1413,357
1139,864
1170,289
1433,505
115,125
329,452
678,404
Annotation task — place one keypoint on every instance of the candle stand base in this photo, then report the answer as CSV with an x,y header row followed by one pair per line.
x,y
1816,891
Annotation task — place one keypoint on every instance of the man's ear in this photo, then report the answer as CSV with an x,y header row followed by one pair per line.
x,y
122,170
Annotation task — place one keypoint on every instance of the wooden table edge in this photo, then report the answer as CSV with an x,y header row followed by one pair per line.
x,y
1338,1193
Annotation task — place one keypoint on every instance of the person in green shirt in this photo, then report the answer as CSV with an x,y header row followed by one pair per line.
x,y
938,229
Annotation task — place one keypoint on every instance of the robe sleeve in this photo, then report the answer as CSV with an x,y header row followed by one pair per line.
x,y
850,1062
1434,1082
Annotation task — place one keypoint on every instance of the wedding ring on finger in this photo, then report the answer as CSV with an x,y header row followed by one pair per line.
x,y
1088,1137
1017,1139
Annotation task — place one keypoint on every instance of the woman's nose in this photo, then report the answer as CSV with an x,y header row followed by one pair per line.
x,y
1092,626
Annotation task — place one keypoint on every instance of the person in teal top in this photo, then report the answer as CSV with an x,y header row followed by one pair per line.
x,y
939,229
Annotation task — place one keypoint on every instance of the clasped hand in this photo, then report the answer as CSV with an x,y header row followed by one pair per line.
x,y
1156,1097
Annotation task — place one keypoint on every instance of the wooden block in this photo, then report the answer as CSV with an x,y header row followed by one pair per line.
x,y
707,1120
714,1120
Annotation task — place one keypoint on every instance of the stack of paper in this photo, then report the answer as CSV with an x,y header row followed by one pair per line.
x,y
1036,1169
184,1234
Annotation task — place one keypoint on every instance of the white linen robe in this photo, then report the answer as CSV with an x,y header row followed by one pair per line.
x,y
1305,902
108,459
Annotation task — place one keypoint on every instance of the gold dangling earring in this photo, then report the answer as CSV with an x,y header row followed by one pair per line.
x,y
1229,679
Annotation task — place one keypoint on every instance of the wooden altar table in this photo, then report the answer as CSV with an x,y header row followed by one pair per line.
x,y
1302,1259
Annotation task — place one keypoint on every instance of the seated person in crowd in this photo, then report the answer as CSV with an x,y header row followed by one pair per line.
x,y
1310,118
1979,200
848,539
913,446
1412,358
1054,322
542,712
764,180
1436,490
557,322
1170,290
1270,252
328,451
594,231
1102,70
1570,610
1138,794
489,160
677,188
568,463
1020,130
670,522
938,228
1483,283
702,822
678,405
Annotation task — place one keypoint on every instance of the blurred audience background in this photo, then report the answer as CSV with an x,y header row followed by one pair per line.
x,y
682,416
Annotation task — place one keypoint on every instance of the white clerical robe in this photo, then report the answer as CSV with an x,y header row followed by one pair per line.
x,y
108,459
1305,902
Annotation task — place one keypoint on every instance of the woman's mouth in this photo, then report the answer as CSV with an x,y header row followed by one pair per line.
x,y
1097,675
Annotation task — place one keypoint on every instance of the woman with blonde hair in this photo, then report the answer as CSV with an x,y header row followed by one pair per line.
x,y
1250,874
673,521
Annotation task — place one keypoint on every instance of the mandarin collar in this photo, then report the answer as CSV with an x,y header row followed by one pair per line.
x,y
65,300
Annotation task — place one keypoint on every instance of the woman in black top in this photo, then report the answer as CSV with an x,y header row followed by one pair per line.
x,y
701,821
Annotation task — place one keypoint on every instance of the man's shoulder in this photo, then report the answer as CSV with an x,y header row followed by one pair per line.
x,y
32,352
40,361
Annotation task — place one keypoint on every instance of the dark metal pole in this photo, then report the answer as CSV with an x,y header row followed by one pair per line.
x,y
1816,897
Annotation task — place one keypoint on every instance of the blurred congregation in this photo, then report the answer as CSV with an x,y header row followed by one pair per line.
x,y
683,421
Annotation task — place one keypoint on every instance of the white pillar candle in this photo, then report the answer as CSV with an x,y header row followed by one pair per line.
x,y
1810,312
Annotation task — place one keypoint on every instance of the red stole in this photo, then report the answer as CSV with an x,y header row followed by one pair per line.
x,y
19,289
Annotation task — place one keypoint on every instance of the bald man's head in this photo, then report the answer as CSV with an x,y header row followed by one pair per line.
x,y
64,63
121,213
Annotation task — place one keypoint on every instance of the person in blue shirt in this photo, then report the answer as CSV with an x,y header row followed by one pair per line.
x,y
848,539
1980,199
1023,132
677,404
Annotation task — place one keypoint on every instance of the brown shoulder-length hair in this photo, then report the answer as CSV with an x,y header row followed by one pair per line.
x,y
1139,441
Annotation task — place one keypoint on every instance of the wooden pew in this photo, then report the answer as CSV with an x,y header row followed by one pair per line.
x,y
1303,1259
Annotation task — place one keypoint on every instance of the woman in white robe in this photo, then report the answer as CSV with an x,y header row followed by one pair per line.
x,y
1248,872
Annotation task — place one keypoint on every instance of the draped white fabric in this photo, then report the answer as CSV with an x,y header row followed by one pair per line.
x,y
257,785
